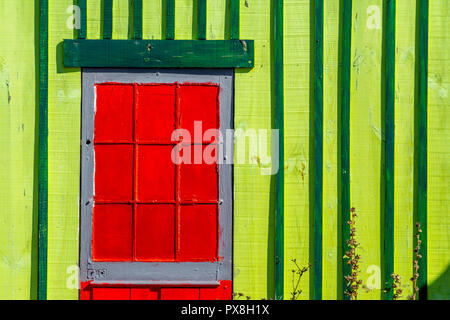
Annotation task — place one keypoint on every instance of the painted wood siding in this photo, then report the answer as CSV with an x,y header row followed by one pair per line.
x,y
254,220
18,158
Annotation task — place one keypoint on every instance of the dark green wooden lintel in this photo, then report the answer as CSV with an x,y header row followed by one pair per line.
x,y
80,53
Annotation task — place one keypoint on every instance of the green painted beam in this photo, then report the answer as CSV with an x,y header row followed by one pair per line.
x,y
234,19
344,129
107,19
159,53
317,17
279,124
389,145
170,19
82,32
201,19
43,150
137,19
422,136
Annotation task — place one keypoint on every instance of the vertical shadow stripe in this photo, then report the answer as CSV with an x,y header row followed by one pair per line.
x,y
279,124
344,119
43,149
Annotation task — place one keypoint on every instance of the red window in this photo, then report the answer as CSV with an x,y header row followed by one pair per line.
x,y
146,207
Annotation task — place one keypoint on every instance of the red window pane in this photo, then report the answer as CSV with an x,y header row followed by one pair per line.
x,y
113,172
155,173
180,293
155,232
199,103
114,113
110,293
198,182
197,233
144,294
112,232
155,112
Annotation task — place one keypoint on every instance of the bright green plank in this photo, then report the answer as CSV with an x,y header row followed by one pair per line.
x,y
366,138
404,143
64,160
184,19
330,209
438,197
152,19
296,103
253,212
17,160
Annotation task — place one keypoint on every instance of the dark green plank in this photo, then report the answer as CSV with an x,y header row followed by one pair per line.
x,y
422,114
137,19
82,32
201,19
170,19
389,123
107,19
318,146
43,149
344,129
159,53
234,23
279,124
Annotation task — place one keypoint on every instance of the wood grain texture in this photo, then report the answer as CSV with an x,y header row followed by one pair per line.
x,y
152,16
366,139
438,197
404,143
18,173
330,174
64,100
297,143
253,202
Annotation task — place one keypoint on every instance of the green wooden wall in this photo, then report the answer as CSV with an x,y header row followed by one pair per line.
x,y
254,218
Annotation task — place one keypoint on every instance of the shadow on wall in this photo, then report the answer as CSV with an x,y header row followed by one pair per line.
x,y
440,288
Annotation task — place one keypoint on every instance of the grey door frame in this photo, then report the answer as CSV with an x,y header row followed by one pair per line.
x,y
154,273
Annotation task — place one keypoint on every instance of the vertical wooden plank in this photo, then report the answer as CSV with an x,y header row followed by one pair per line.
x,y
170,19
438,197
137,19
389,8
279,125
422,139
184,12
366,117
297,100
153,16
201,19
19,105
107,19
216,20
64,101
120,21
318,146
346,15
43,149
82,32
404,143
253,218
94,20
330,173
234,19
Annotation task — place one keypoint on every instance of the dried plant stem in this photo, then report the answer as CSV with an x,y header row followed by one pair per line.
x,y
295,283
396,286
416,263
353,282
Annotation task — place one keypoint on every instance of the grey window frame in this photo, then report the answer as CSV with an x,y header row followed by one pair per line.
x,y
156,273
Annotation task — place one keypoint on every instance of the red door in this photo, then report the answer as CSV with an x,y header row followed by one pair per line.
x,y
149,207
